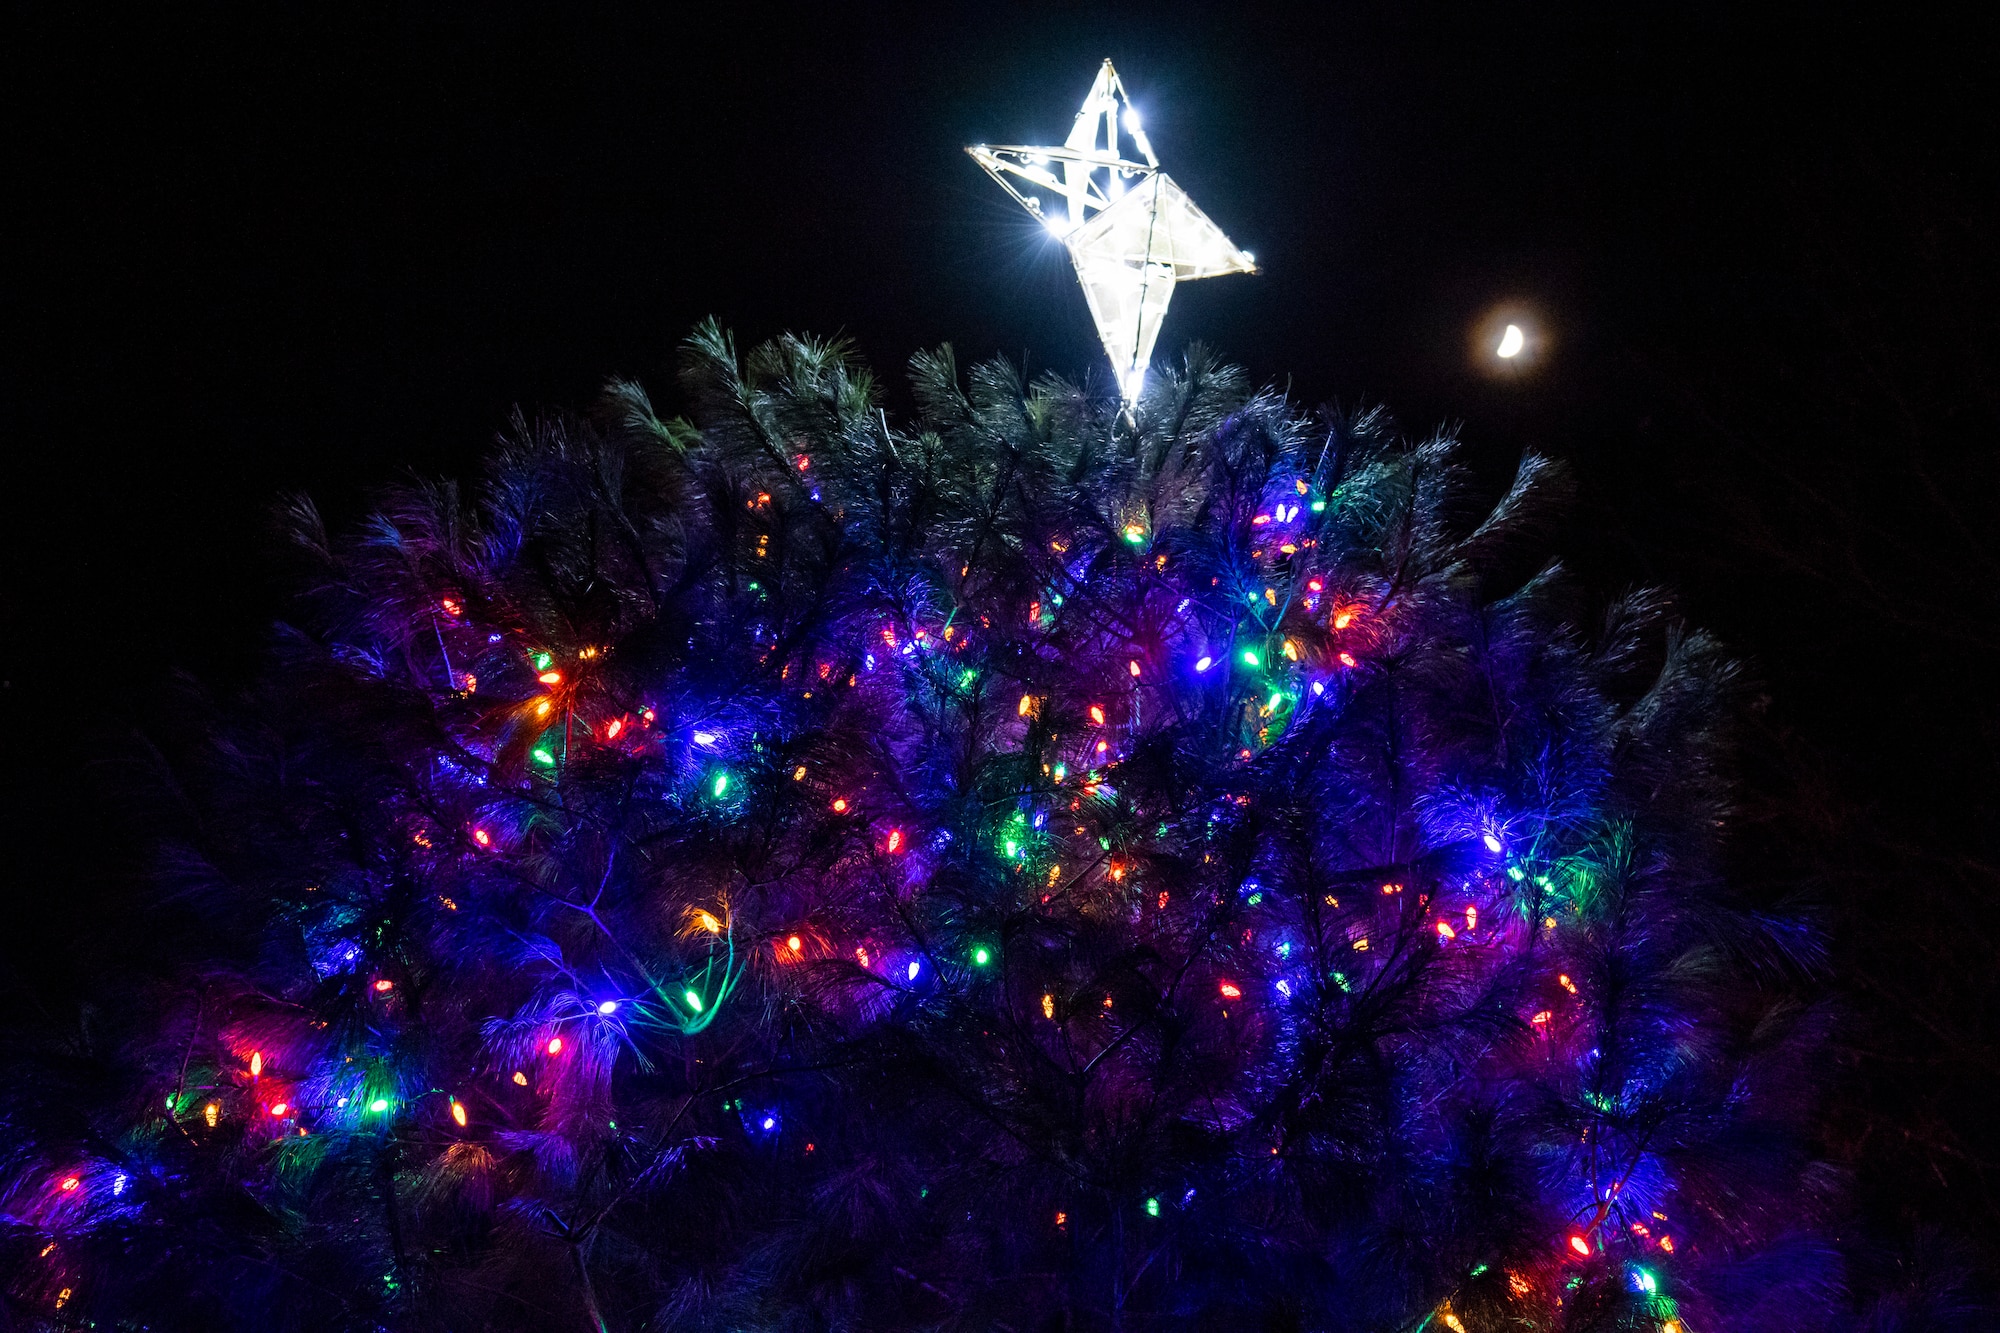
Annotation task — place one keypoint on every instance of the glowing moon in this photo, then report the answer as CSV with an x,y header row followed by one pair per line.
x,y
1511,342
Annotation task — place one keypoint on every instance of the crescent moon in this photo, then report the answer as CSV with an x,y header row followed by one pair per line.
x,y
1511,342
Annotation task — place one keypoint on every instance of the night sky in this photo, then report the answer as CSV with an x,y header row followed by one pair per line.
x,y
275,252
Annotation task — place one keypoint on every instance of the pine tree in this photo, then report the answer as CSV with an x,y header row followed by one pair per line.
x,y
1041,867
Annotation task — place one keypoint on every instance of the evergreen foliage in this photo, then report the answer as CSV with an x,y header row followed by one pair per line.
x,y
1033,868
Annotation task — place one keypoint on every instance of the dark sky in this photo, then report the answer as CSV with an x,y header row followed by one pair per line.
x,y
277,251
271,251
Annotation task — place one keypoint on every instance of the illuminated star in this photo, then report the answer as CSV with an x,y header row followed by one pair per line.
x,y
1131,232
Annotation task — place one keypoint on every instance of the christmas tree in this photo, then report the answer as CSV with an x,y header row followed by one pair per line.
x,y
1048,865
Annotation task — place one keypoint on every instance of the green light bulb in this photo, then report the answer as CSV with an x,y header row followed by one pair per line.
x,y
1249,658
379,1105
693,999
1152,1207
721,783
544,757
982,956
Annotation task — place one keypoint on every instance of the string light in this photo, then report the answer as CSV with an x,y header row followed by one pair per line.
x,y
256,1063
1231,991
278,1109
520,1078
555,1046
1048,1006
607,1006
211,1113
458,1111
794,943
71,1182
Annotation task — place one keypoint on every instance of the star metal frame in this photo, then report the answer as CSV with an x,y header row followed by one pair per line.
x,y
1131,232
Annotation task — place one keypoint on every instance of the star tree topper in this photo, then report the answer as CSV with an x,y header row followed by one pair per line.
x,y
1131,232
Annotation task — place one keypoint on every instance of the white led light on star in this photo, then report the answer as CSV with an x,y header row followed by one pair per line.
x,y
1131,232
